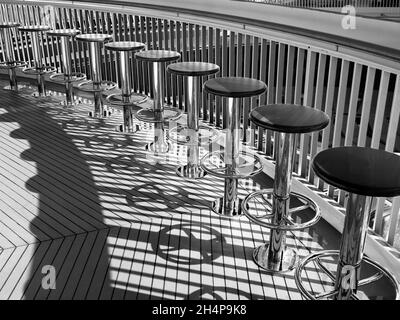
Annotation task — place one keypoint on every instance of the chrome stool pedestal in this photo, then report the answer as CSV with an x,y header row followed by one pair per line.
x,y
189,135
230,163
67,77
96,85
364,173
7,29
38,68
126,99
276,214
159,114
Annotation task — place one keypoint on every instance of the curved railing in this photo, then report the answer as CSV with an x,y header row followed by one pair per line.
x,y
357,86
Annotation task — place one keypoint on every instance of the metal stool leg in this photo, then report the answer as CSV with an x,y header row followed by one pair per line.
x,y
230,204
67,68
100,111
41,89
352,246
9,57
159,145
126,88
273,256
192,169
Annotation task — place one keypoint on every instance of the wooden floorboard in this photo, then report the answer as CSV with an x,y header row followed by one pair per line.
x,y
115,221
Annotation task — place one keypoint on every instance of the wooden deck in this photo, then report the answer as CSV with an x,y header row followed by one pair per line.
x,y
117,223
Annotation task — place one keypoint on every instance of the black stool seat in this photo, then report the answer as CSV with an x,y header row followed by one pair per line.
x,y
235,87
289,118
94,37
363,171
158,55
125,46
194,69
35,28
4,25
63,32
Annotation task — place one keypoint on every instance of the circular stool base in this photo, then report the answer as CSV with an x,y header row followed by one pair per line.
x,y
19,87
121,129
181,135
288,260
147,115
190,172
163,148
264,218
235,211
382,272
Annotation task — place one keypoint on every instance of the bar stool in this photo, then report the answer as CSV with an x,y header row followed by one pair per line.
x,y
363,173
7,30
159,113
287,121
38,68
67,76
232,164
192,135
96,85
126,99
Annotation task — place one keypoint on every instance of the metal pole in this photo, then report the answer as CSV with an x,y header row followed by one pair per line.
x,y
9,56
192,169
159,145
94,51
38,62
284,154
230,205
67,69
126,88
352,246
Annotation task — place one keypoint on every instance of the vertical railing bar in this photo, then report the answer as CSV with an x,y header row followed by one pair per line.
x,y
351,118
366,107
319,93
380,110
330,91
307,101
394,117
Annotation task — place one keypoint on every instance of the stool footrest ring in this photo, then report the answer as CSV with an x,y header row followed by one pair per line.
x,y
89,86
382,272
148,115
39,71
63,78
257,206
13,64
247,165
117,99
181,135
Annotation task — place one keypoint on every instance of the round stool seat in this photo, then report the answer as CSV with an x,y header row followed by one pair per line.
x,y
193,69
235,87
94,37
4,25
158,55
289,118
363,171
35,28
63,32
125,46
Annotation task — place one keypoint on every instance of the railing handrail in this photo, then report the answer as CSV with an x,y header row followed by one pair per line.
x,y
367,41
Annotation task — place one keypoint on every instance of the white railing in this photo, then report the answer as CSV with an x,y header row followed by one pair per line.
x,y
361,95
